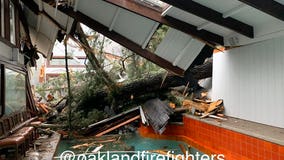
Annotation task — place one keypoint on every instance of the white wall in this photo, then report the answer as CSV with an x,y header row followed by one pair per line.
x,y
5,51
250,79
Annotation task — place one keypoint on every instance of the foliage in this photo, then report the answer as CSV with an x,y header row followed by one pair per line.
x,y
157,38
126,69
79,119
57,86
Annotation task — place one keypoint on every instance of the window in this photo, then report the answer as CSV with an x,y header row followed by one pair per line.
x,y
12,23
154,4
15,91
59,61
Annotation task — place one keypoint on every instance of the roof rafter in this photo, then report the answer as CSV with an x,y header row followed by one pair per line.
x,y
270,7
205,36
212,16
80,17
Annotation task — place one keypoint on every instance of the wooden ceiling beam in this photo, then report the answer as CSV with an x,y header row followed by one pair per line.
x,y
80,17
212,16
270,7
205,36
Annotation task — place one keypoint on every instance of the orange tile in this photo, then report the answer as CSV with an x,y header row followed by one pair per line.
x,y
275,156
281,150
267,146
275,148
213,139
267,155
281,156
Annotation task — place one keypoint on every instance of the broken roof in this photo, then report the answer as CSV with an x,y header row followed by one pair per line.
x,y
193,24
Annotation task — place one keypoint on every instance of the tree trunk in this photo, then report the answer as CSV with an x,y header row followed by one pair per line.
x,y
93,60
146,88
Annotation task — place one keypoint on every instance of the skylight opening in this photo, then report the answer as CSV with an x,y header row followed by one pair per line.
x,y
154,4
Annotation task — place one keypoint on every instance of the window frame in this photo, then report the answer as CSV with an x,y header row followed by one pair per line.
x,y
5,35
49,65
19,69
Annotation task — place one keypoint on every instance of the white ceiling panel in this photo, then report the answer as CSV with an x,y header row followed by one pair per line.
x,y
189,53
172,44
185,16
280,1
179,48
43,32
47,27
61,18
98,10
42,42
197,21
253,17
217,29
133,26
31,18
219,5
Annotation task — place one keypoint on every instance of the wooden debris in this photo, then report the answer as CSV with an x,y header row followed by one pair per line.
x,y
112,123
214,105
217,117
203,107
165,153
43,107
82,145
97,148
184,151
172,105
117,126
143,117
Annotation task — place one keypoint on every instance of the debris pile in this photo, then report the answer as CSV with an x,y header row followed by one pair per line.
x,y
213,109
157,114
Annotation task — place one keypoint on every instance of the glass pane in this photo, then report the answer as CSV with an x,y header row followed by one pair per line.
x,y
12,23
61,62
15,91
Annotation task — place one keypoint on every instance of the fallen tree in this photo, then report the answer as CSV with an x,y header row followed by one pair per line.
x,y
144,89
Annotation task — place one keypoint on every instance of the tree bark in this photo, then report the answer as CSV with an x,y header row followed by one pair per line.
x,y
146,88
93,60
70,98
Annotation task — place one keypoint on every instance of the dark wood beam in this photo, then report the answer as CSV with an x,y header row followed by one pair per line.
x,y
7,19
80,17
24,22
31,4
212,16
73,27
205,36
270,7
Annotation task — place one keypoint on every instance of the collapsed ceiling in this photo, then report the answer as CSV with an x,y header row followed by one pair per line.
x,y
192,24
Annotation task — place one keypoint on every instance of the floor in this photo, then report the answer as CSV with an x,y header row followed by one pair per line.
x,y
268,133
45,147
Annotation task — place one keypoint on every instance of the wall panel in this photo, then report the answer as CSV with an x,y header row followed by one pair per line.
x,y
250,79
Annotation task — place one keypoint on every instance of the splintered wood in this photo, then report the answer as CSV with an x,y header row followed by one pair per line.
x,y
205,108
